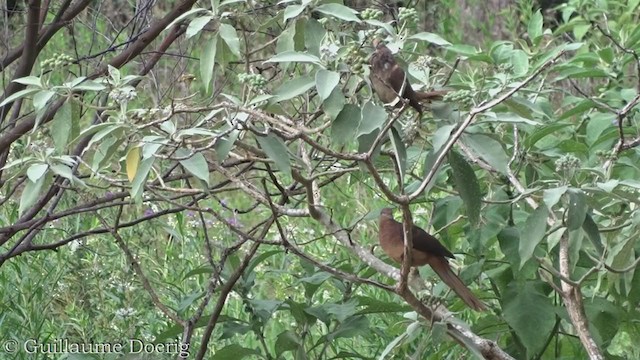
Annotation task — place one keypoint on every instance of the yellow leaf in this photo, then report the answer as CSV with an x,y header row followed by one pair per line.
x,y
133,160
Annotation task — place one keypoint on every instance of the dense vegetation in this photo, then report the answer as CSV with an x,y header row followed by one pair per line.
x,y
210,174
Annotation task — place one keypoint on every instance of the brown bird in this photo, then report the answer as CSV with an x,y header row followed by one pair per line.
x,y
426,250
388,80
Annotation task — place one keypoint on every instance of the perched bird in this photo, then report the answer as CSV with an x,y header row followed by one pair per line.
x,y
389,80
426,250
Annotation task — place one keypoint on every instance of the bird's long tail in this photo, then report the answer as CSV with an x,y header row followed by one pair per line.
x,y
441,266
430,95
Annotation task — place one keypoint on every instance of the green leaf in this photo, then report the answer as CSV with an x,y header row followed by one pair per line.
x,y
63,170
230,37
293,88
351,327
292,11
466,183
334,104
233,352
489,149
508,239
345,125
287,341
137,185
577,210
543,132
326,81
400,152
520,63
530,313
277,151
582,107
36,171
224,145
61,126
90,85
431,38
30,194
29,80
373,117
534,28
297,57
208,61
195,164
532,233
552,196
593,233
18,95
41,98
196,25
338,11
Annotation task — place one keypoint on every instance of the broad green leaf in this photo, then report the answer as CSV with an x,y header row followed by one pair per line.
x,y
593,233
577,209
339,11
520,63
29,80
233,352
89,85
532,232
509,240
373,117
400,152
313,35
346,124
579,73
186,15
41,98
196,164
431,38
287,341
530,313
36,171
534,28
326,81
582,107
196,25
292,11
105,151
542,132
18,95
61,126
224,145
466,183
597,124
30,194
605,318
230,37
552,196
293,88
351,327
429,162
334,104
441,136
277,151
489,149
286,40
64,171
294,56
137,185
132,162
207,62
